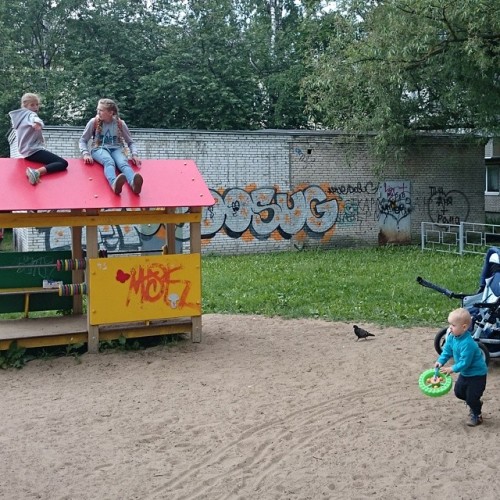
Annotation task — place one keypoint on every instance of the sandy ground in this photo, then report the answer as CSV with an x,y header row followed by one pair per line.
x,y
261,409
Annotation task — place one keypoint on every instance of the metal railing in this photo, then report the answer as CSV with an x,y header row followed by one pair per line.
x,y
466,237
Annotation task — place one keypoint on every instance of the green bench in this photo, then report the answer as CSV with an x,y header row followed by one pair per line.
x,y
21,282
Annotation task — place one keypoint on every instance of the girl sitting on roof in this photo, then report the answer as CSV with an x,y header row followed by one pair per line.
x,y
111,142
30,143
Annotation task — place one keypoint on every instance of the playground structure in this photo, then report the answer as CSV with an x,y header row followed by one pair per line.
x,y
131,296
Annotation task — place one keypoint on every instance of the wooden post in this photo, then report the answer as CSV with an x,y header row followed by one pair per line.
x,y
195,247
78,276
170,234
92,253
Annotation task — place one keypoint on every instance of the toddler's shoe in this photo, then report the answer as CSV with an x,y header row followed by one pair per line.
x,y
474,420
33,176
118,184
137,183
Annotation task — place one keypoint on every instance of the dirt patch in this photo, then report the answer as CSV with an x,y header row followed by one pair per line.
x,y
261,409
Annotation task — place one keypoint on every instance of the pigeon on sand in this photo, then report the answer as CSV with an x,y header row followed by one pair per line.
x,y
362,334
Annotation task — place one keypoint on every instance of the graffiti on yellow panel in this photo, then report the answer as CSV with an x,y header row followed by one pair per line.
x,y
144,288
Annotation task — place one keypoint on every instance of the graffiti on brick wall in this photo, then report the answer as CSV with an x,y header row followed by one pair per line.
x,y
263,212
304,157
357,203
358,188
388,203
448,207
126,238
252,213
358,211
394,201
395,207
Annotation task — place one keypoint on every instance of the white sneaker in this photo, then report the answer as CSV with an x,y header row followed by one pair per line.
x,y
33,176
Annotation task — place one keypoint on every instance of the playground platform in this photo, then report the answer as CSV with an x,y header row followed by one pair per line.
x,y
131,296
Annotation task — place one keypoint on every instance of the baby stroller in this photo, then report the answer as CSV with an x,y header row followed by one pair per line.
x,y
484,307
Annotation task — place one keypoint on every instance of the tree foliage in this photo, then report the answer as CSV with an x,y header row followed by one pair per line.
x,y
390,66
206,64
201,77
402,66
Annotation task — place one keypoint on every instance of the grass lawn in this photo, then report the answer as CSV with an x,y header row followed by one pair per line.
x,y
376,285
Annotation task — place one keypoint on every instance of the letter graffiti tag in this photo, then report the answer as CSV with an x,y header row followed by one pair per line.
x,y
451,207
394,201
266,210
155,283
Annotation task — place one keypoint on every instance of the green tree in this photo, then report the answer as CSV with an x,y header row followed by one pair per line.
x,y
276,56
202,76
73,53
207,64
397,67
232,64
113,45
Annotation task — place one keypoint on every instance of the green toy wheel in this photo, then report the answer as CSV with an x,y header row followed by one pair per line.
x,y
434,389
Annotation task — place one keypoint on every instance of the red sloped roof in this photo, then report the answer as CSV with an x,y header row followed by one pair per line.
x,y
167,183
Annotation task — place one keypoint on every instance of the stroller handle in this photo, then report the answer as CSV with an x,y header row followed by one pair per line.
x,y
440,289
488,305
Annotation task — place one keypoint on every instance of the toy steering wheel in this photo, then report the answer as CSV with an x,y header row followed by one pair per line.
x,y
435,384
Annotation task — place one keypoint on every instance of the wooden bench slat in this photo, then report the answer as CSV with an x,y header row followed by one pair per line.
x,y
22,291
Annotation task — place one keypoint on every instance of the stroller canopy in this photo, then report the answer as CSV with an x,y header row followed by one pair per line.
x,y
490,274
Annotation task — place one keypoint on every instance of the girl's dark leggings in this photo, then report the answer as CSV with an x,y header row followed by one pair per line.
x,y
470,390
51,162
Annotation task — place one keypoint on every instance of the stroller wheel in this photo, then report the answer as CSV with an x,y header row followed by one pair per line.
x,y
440,339
485,352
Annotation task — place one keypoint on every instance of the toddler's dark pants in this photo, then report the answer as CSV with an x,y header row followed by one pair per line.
x,y
470,390
51,161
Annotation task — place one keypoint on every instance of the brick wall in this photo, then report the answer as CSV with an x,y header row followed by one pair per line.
x,y
280,190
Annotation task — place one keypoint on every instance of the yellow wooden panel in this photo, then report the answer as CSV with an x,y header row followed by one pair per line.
x,y
47,341
125,289
44,219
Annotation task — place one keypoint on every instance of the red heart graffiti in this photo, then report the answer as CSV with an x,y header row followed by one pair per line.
x,y
121,276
